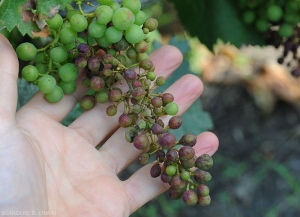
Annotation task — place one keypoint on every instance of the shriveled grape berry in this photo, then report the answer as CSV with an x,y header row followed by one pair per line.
x,y
202,176
204,162
188,139
155,171
160,156
160,80
143,158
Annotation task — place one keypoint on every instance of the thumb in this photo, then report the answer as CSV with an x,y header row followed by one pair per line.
x,y
9,68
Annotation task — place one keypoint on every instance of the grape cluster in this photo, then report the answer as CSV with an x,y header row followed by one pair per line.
x,y
278,22
110,45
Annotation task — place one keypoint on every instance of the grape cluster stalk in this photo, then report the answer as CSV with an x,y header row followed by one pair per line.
x,y
278,21
110,45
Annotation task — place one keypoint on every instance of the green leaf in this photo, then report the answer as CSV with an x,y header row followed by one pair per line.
x,y
16,13
24,13
46,8
210,20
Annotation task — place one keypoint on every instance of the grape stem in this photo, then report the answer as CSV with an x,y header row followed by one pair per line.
x,y
79,3
55,40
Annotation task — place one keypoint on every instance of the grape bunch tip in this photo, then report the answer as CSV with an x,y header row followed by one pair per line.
x,y
110,45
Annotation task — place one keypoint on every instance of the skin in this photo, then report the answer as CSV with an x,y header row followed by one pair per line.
x,y
47,166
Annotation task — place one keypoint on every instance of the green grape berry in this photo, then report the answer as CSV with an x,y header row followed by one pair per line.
x,y
171,170
133,5
46,84
151,76
185,175
140,18
96,30
68,87
134,34
30,73
67,35
171,108
78,23
68,72
26,51
58,54
104,14
114,5
123,18
101,97
113,34
56,95
55,22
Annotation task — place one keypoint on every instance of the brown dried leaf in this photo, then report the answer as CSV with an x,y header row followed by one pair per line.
x,y
44,33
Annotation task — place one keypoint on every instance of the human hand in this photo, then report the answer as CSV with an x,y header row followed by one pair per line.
x,y
47,166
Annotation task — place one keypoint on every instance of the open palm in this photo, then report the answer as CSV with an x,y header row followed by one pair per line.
x,y
47,166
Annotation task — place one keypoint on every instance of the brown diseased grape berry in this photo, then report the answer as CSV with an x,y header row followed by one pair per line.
x,y
87,102
186,153
190,197
97,83
175,122
125,120
175,194
157,129
172,155
202,190
204,162
167,140
143,158
167,98
130,74
141,142
188,139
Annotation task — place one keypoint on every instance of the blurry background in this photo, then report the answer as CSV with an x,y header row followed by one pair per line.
x,y
250,102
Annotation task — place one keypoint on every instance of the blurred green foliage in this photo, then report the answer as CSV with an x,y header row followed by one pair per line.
x,y
210,20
